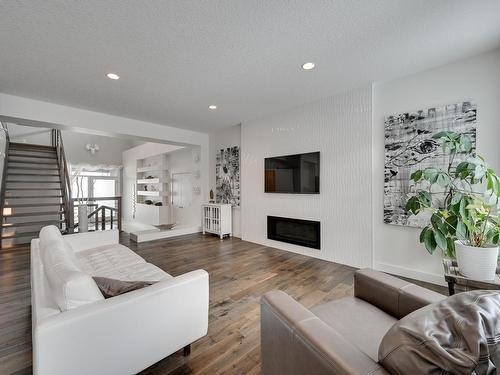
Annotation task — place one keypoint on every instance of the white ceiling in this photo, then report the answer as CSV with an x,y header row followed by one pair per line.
x,y
176,57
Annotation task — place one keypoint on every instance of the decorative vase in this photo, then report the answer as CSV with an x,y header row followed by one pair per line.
x,y
83,220
478,263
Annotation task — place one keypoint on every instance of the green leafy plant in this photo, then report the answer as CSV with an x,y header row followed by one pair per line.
x,y
469,212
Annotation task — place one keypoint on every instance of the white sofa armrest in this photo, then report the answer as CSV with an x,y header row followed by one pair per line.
x,y
127,333
89,240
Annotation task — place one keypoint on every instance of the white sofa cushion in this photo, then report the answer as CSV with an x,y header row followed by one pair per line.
x,y
136,272
70,287
102,260
51,233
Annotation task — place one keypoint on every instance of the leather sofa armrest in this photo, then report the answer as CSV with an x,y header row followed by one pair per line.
x,y
295,341
390,294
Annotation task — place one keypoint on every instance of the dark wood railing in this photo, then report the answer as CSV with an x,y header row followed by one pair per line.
x,y
64,174
99,213
4,176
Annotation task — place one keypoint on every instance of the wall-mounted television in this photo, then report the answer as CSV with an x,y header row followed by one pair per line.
x,y
293,174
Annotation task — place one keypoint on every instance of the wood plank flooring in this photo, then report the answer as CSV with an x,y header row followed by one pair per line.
x,y
240,272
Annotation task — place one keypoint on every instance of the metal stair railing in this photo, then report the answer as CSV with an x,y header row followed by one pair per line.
x,y
64,174
4,177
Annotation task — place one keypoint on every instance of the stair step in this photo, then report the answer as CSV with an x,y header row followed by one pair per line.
x,y
58,181
23,205
31,162
12,189
15,154
31,223
32,168
34,214
32,174
32,196
24,146
18,235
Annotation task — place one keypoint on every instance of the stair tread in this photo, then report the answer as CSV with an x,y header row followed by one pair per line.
x,y
29,145
41,213
32,196
32,168
34,182
31,223
20,205
23,155
31,162
9,189
17,235
32,174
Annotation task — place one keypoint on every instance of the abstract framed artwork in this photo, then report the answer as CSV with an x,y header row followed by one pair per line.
x,y
227,176
409,146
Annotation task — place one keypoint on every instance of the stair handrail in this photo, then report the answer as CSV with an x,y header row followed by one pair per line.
x,y
4,176
64,173
103,209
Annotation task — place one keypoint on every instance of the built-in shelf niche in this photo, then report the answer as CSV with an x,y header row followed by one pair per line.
x,y
153,184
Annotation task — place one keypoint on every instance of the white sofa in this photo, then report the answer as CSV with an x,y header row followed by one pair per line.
x,y
76,331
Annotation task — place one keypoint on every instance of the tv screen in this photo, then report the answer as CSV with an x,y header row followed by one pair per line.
x,y
296,174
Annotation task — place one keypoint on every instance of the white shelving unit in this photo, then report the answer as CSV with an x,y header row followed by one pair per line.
x,y
153,184
217,219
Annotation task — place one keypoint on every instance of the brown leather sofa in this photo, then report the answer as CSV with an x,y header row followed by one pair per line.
x,y
339,337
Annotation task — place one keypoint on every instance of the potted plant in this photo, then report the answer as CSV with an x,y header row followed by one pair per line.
x,y
466,222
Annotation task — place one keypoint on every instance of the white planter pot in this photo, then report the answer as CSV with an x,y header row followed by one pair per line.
x,y
478,263
83,220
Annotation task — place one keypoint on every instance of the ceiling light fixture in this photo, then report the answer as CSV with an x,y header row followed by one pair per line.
x,y
113,76
92,148
212,107
308,66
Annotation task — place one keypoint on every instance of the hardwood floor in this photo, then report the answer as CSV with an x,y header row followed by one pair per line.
x,y
240,272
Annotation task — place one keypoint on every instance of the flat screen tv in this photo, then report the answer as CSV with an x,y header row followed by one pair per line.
x,y
294,174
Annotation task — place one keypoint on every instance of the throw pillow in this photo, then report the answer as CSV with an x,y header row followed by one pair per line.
x,y
112,287
459,335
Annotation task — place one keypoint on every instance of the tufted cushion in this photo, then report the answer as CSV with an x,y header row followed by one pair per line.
x,y
459,335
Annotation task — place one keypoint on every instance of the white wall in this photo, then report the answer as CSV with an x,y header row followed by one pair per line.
x,y
225,138
396,249
183,161
340,128
110,148
30,134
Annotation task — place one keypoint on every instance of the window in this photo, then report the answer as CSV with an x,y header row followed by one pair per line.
x,y
95,184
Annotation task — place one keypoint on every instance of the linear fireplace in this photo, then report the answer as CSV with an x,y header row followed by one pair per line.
x,y
295,231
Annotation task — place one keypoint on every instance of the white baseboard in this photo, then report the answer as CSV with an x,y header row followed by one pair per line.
x,y
412,274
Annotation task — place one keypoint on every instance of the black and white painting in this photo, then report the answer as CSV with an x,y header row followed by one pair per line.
x,y
227,176
409,146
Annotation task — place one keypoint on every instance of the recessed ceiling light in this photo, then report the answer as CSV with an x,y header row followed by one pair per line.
x,y
308,66
113,76
212,107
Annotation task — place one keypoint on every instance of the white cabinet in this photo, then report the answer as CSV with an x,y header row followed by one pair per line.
x,y
217,219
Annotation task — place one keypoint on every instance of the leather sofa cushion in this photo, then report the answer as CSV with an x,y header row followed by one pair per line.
x,y
459,335
69,286
361,323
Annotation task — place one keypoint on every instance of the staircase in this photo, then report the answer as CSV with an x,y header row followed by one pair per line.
x,y
33,193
